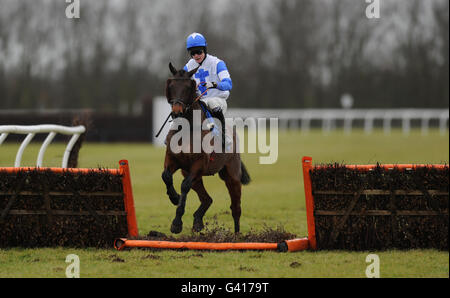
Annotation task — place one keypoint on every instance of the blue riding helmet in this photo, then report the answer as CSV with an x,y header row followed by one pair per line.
x,y
195,40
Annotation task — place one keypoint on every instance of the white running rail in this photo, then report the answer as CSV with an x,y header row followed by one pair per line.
x,y
294,118
32,130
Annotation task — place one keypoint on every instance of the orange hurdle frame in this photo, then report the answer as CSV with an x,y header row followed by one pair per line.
x,y
309,200
128,198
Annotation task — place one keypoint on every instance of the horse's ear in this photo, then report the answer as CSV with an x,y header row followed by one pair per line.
x,y
193,71
172,69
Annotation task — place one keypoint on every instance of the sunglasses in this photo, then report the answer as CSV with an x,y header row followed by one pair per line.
x,y
196,52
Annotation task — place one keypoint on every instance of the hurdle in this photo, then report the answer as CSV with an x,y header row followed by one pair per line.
x,y
376,207
69,207
72,207
292,245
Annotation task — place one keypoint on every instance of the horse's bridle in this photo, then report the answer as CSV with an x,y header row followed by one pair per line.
x,y
179,101
186,107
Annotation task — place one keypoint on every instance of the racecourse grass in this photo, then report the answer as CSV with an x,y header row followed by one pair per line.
x,y
274,198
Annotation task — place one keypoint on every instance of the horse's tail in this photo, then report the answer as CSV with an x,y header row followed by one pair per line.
x,y
245,177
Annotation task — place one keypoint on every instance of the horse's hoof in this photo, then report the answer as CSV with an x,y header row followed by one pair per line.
x,y
198,226
175,200
176,228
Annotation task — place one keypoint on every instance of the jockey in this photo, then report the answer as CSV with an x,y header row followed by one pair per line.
x,y
212,77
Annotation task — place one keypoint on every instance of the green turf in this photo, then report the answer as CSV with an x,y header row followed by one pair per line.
x,y
274,198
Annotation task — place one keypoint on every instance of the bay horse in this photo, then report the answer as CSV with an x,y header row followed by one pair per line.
x,y
181,95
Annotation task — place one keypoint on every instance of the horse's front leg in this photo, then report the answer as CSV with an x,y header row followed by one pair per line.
x,y
170,167
205,202
167,177
177,223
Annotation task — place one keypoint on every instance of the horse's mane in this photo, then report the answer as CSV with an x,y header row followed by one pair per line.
x,y
181,72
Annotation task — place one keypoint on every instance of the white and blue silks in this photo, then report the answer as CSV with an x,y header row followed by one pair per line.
x,y
212,70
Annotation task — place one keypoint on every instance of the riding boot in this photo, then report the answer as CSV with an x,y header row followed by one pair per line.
x,y
219,115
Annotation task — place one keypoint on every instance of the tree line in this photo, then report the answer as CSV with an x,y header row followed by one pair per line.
x,y
281,54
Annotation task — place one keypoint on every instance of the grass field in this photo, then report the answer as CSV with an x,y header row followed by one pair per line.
x,y
275,198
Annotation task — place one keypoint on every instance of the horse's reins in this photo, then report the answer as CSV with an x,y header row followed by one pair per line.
x,y
187,106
